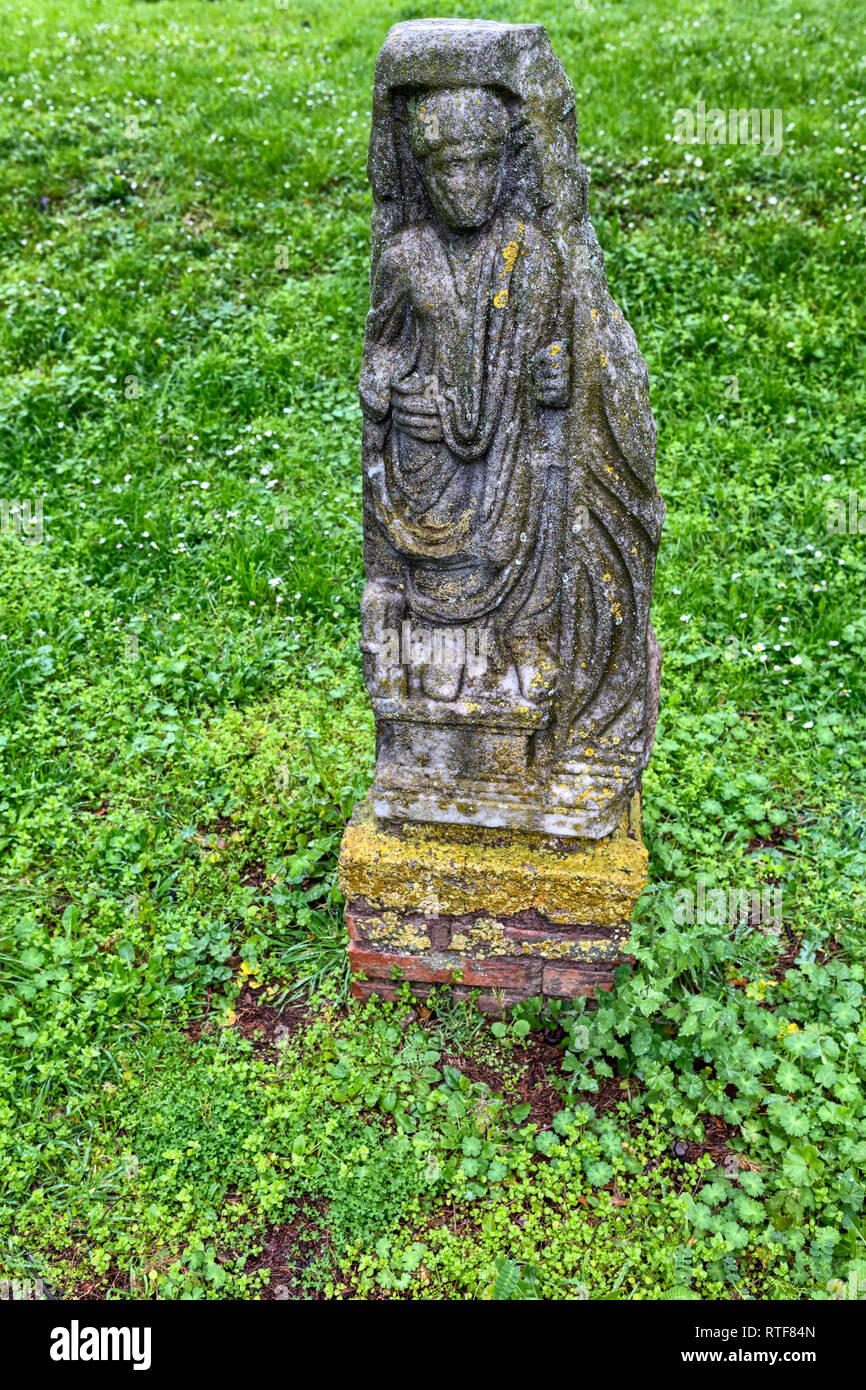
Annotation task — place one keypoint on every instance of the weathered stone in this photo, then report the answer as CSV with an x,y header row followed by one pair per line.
x,y
451,870
511,514
511,524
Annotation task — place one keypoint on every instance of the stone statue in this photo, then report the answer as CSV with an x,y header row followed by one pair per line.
x,y
511,516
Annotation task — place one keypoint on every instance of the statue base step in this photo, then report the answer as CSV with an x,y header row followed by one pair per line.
x,y
505,913
486,772
584,806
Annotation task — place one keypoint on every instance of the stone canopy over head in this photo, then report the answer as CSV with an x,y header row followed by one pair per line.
x,y
514,71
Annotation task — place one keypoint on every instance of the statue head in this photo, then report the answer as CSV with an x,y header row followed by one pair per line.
x,y
458,137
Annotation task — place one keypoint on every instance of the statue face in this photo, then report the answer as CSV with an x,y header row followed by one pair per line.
x,y
462,182
459,139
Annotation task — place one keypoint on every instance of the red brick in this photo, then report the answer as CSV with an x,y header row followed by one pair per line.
x,y
522,974
438,928
439,932
355,926
362,989
566,933
488,1001
568,982
540,933
380,965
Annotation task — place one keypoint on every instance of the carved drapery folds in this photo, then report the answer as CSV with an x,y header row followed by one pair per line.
x,y
511,517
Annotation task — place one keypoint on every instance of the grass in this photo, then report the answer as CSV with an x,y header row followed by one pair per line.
x,y
184,236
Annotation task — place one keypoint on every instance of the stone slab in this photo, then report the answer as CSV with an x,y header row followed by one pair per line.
x,y
451,870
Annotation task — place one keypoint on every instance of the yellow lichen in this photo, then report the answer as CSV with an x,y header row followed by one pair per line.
x,y
504,872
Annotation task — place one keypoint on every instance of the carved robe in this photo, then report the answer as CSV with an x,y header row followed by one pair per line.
x,y
464,513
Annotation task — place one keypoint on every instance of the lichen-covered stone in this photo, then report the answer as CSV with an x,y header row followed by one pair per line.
x,y
511,524
456,870
511,517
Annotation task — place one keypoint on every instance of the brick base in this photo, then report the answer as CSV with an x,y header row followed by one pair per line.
x,y
543,957
509,915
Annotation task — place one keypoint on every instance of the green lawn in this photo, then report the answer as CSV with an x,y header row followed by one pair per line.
x,y
183,279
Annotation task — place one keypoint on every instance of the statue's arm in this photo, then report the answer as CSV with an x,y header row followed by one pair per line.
x,y
552,363
388,340
552,374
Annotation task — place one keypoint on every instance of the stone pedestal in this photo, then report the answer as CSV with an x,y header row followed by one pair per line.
x,y
508,913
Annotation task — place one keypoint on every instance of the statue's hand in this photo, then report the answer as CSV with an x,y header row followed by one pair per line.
x,y
415,407
552,368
